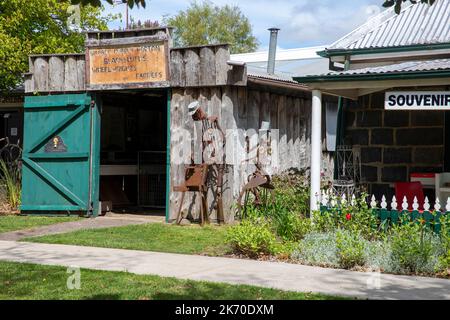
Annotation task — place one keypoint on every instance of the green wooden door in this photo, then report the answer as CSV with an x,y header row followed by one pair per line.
x,y
60,171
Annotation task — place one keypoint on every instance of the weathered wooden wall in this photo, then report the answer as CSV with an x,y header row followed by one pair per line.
x,y
204,66
56,73
93,36
239,108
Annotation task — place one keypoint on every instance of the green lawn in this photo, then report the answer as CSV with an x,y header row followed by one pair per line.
x,y
209,240
13,223
30,281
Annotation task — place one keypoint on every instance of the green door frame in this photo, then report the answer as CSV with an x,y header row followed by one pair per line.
x,y
169,99
93,201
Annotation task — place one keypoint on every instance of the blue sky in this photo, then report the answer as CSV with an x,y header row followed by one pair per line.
x,y
302,22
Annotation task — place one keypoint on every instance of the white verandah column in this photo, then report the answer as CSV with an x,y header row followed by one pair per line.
x,y
316,149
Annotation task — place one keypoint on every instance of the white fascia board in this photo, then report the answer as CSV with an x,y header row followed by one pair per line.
x,y
360,58
403,54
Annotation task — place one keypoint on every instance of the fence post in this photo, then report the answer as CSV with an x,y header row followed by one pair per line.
x,y
384,213
394,211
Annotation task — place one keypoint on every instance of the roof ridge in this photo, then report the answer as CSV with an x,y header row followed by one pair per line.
x,y
367,28
367,33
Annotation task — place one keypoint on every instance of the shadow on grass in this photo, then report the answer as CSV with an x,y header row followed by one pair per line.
x,y
103,297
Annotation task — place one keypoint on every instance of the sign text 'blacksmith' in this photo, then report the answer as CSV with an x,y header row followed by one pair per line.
x,y
128,65
417,100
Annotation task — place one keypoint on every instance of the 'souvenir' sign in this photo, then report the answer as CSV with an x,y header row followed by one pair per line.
x,y
128,65
417,100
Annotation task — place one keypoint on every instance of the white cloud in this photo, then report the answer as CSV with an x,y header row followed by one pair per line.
x,y
302,22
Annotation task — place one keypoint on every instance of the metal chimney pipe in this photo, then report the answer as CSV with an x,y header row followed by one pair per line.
x,y
272,50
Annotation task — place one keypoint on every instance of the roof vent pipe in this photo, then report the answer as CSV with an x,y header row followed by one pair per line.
x,y
272,50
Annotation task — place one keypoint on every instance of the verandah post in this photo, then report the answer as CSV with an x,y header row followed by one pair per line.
x,y
316,149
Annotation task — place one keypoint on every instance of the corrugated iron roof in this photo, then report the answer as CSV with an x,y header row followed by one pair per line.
x,y
262,74
410,66
417,24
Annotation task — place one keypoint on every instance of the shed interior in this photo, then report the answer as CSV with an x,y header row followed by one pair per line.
x,y
133,151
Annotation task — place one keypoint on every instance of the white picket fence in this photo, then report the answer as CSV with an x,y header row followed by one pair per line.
x,y
330,200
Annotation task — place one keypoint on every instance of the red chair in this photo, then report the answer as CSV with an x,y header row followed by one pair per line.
x,y
410,190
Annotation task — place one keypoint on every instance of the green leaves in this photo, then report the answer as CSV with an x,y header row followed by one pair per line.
x,y
252,238
206,23
37,27
350,248
10,186
97,3
398,3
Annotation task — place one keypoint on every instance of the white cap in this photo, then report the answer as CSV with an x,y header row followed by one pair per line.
x,y
193,107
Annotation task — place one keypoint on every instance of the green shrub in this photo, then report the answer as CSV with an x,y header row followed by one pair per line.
x,y
444,263
317,249
350,249
291,192
287,208
291,227
378,256
444,258
324,221
10,185
357,217
252,238
415,249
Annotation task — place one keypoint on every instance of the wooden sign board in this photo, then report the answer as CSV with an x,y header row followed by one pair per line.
x,y
126,66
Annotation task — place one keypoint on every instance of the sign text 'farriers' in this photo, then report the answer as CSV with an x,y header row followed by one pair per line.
x,y
128,64
417,100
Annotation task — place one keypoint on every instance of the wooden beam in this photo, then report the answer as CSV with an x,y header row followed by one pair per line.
x,y
363,92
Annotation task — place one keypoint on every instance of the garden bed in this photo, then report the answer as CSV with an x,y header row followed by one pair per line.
x,y
349,237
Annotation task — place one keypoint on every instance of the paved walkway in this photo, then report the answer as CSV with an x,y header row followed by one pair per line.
x,y
113,220
236,271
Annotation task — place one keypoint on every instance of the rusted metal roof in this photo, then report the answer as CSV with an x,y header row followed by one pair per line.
x,y
417,24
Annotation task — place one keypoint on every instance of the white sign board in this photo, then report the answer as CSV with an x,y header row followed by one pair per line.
x,y
417,100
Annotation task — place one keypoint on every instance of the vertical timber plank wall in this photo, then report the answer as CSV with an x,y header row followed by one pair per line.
x,y
56,73
237,108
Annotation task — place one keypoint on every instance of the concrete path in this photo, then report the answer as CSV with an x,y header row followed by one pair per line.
x,y
236,271
115,220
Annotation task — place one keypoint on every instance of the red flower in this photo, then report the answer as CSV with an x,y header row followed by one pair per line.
x,y
348,216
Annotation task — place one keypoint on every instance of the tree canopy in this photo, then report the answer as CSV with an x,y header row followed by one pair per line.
x,y
398,3
143,24
38,27
97,3
204,23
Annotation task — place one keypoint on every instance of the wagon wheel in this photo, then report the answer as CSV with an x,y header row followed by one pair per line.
x,y
10,151
258,191
11,154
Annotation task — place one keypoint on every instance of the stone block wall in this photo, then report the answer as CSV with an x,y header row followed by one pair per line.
x,y
393,144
